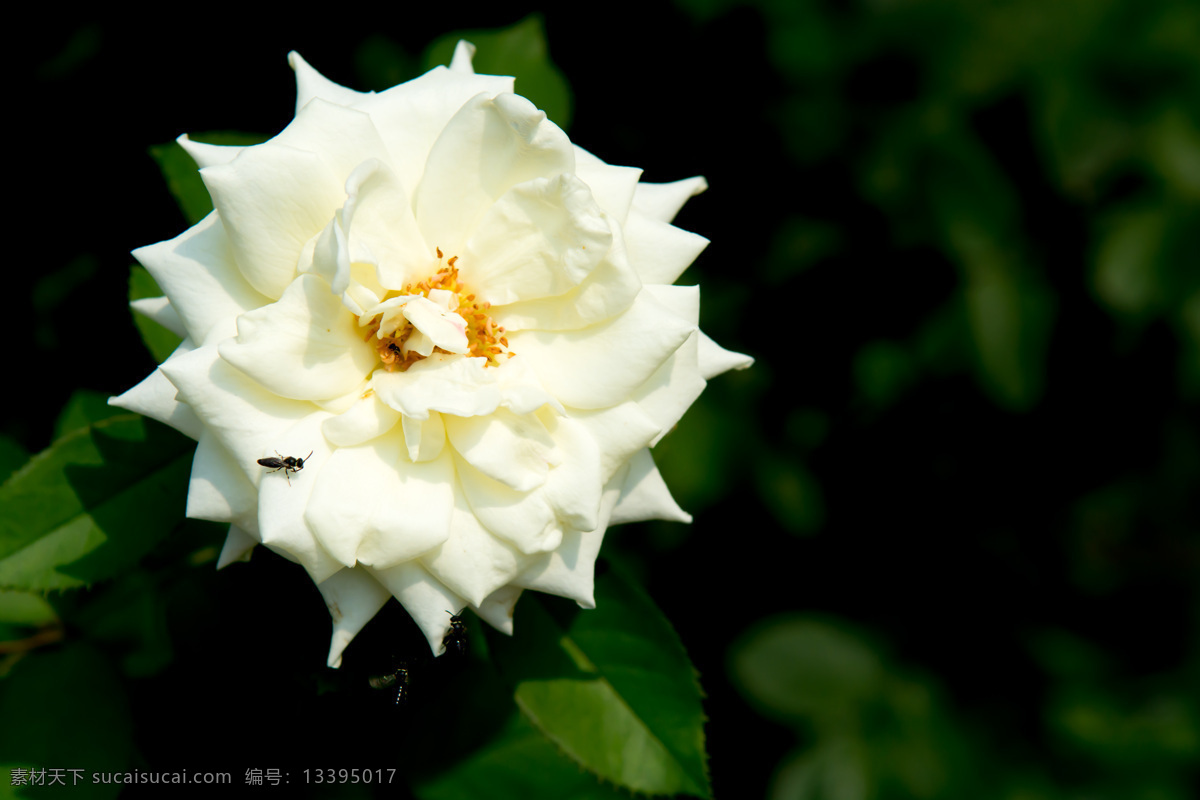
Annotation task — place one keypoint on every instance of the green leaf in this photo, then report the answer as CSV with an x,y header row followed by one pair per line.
x,y
518,762
92,503
64,708
519,51
12,457
82,409
612,687
183,176
158,340
25,608
796,667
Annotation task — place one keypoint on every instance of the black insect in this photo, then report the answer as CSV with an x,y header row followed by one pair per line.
x,y
288,464
455,640
398,678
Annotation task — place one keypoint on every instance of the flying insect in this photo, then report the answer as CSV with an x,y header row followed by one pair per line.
x,y
398,678
288,464
455,640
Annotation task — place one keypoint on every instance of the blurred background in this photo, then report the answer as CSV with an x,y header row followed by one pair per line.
x,y
947,536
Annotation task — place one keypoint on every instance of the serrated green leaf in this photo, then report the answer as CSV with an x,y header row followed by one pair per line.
x,y
518,762
183,176
519,51
65,709
12,457
84,408
612,687
158,340
92,503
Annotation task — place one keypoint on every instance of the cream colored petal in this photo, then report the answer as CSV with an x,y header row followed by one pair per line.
x,y
569,571
353,597
156,397
306,346
489,146
272,200
446,383
238,546
218,491
285,495
662,201
372,505
208,155
714,359
198,273
426,599
601,365
312,84
248,420
523,519
362,422
644,495
513,449
464,52
660,252
607,291
472,563
424,438
619,432
674,386
412,115
612,186
159,310
497,608
542,238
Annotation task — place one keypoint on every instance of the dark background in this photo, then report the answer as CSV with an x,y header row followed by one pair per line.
x,y
946,527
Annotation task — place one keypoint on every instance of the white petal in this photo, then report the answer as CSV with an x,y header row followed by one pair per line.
x,y
353,597
424,597
218,491
541,238
524,519
612,186
248,420
672,389
159,309
445,329
156,397
310,84
488,147
662,201
198,273
660,252
208,155
497,608
372,505
619,432
284,496
237,547
600,366
381,227
472,563
513,449
608,290
714,359
569,571
306,346
446,383
644,495
424,438
362,422
464,51
412,115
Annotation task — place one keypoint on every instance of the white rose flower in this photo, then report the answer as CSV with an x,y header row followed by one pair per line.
x,y
460,327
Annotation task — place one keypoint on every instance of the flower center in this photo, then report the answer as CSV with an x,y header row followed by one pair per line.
x,y
435,315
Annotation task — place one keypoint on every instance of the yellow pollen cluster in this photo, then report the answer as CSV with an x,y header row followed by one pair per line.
x,y
484,337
